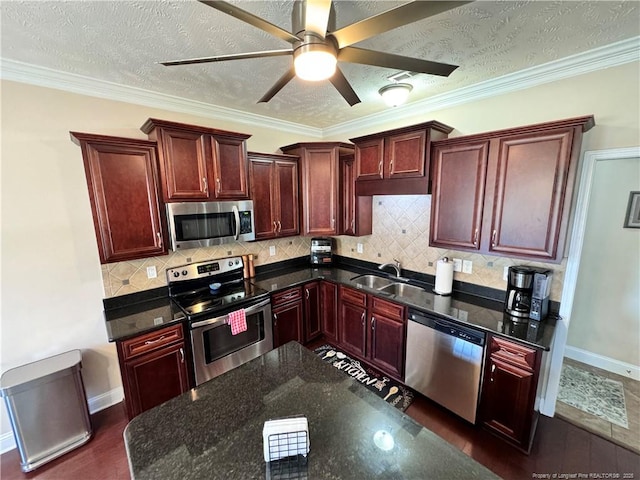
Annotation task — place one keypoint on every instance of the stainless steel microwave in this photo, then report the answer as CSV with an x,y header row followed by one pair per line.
x,y
203,224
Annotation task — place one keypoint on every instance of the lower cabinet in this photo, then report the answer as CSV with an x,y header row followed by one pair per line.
x,y
153,368
329,310
312,318
509,389
287,311
373,329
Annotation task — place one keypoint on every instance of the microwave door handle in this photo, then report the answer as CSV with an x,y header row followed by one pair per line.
x,y
236,213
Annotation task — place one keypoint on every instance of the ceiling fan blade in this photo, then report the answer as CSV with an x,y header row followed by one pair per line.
x,y
385,21
342,85
316,16
398,62
232,56
251,19
279,85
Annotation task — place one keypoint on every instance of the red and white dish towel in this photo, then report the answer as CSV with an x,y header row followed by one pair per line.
x,y
238,322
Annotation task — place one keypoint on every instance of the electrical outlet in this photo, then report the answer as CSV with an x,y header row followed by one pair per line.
x,y
272,250
505,274
360,248
158,321
457,265
151,272
467,266
463,315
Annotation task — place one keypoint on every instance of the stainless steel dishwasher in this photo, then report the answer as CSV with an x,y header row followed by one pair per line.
x,y
444,362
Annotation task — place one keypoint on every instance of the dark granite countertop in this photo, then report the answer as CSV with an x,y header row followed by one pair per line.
x,y
471,310
215,430
135,314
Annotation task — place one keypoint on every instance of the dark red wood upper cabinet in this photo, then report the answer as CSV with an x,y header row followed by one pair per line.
x,y
122,179
369,158
406,154
508,192
199,163
357,211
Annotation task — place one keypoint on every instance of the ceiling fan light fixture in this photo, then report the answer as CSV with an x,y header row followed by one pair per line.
x,y
314,62
395,94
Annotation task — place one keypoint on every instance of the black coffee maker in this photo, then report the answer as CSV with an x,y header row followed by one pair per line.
x,y
519,292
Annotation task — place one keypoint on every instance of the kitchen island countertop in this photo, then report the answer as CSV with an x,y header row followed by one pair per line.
x,y
215,430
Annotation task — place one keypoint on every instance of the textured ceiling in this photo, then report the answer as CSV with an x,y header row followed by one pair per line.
x,y
122,41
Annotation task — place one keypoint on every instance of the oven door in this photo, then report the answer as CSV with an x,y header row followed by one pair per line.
x,y
216,350
203,224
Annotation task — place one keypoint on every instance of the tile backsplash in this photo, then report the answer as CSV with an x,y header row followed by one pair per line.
x,y
400,231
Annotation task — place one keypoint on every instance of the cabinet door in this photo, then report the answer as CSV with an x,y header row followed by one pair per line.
x,y
185,169
312,318
356,217
369,159
387,344
122,180
287,323
319,191
506,400
155,377
459,174
288,217
230,167
531,181
262,175
352,330
405,154
328,310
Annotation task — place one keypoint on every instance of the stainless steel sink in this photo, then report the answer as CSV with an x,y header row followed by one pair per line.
x,y
401,289
371,281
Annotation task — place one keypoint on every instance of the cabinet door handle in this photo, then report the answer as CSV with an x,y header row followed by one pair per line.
x,y
391,166
493,369
151,342
373,323
493,239
205,185
279,226
353,226
380,168
275,318
288,296
159,235
217,185
362,318
306,291
275,227
181,355
475,238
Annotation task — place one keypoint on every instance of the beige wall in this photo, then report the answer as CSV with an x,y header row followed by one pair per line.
x,y
52,286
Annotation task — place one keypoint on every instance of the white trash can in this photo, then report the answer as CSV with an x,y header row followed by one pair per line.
x,y
47,407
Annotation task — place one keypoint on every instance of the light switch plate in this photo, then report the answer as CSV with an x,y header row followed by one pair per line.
x,y
505,274
467,266
272,250
360,248
457,265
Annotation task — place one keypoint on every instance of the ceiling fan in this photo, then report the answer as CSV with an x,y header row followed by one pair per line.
x,y
317,45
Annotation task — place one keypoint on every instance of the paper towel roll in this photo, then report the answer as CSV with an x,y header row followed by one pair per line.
x,y
444,277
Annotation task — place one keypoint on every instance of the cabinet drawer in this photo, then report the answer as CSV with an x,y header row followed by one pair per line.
x,y
151,341
286,296
353,296
388,309
513,353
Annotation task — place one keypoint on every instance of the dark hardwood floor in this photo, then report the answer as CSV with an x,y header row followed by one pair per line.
x,y
559,448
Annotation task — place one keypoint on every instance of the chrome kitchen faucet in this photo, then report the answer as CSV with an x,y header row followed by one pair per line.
x,y
396,266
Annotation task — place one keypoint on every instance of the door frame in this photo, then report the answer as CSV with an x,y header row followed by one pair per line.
x,y
552,381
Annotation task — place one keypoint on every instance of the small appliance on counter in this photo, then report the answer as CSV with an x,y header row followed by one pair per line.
x,y
519,290
321,251
540,294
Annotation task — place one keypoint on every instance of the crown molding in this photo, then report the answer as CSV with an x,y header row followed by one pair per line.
x,y
612,55
45,77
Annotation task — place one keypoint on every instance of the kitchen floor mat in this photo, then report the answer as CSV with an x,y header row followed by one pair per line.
x,y
391,391
594,394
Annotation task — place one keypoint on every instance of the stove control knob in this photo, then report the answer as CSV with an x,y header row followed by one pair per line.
x,y
237,262
184,272
176,274
230,263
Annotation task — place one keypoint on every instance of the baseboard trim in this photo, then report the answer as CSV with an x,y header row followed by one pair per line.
x,y
95,404
605,363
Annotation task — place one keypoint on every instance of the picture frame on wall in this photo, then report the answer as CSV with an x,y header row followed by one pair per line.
x,y
632,219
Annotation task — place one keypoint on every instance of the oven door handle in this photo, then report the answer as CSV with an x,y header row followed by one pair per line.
x,y
237,215
225,318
